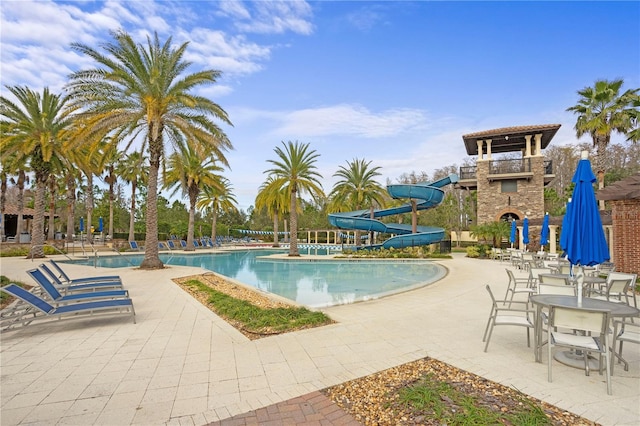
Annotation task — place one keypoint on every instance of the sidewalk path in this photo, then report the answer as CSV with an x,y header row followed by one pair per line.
x,y
181,364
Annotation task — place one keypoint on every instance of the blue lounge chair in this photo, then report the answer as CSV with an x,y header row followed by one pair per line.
x,y
71,309
66,280
50,290
134,246
87,286
171,245
183,244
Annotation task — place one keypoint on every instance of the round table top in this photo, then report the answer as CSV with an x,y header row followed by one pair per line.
x,y
587,278
616,309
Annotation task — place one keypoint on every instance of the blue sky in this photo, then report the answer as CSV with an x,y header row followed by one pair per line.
x,y
394,82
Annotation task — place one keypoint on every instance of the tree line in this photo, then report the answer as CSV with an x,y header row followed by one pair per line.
x,y
136,120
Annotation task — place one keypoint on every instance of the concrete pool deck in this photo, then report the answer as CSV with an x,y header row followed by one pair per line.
x,y
182,364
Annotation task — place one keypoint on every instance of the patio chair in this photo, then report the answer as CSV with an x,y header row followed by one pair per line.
x,y
630,291
65,279
517,285
554,279
616,290
133,246
183,244
50,290
82,285
43,307
534,273
520,316
583,330
624,330
171,245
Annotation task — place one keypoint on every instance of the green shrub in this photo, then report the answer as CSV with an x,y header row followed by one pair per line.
x,y
473,251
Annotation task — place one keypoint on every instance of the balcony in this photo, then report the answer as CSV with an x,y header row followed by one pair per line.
x,y
519,168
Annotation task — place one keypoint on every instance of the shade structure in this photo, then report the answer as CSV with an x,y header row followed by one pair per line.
x,y
586,242
565,227
81,224
100,224
544,232
514,229
525,231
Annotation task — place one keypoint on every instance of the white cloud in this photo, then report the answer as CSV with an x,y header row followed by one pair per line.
x,y
351,120
272,16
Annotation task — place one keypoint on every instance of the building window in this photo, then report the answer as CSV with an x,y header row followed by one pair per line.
x,y
509,186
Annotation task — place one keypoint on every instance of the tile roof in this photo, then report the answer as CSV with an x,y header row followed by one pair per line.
x,y
625,189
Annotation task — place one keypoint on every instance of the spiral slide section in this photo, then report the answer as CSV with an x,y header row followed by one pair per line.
x,y
427,194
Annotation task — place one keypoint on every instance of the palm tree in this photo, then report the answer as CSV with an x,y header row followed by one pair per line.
x,y
295,173
357,189
189,170
601,111
34,129
217,198
275,201
144,90
133,170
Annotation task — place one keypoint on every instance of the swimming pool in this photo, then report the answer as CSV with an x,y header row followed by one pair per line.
x,y
311,282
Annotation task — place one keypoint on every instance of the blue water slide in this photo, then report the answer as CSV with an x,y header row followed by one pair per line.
x,y
427,194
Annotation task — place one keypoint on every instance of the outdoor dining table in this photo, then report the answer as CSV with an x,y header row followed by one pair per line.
x,y
545,300
589,281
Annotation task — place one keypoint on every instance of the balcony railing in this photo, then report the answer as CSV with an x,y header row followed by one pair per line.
x,y
505,167
468,172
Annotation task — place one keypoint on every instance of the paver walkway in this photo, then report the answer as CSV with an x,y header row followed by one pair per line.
x,y
314,408
182,364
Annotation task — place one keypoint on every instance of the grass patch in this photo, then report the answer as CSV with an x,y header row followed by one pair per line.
x,y
6,298
420,252
254,319
440,400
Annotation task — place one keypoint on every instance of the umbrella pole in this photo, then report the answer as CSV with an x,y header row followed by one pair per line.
x,y
580,283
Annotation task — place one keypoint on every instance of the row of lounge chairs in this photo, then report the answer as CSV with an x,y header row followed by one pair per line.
x,y
178,244
58,296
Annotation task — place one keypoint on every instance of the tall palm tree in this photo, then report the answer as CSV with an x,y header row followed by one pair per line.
x,y
145,90
133,169
189,170
603,110
217,198
357,189
34,129
295,173
273,199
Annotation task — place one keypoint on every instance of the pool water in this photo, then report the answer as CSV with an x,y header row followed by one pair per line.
x,y
310,282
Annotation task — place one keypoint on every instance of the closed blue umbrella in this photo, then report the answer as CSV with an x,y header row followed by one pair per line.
x,y
100,224
525,232
565,226
81,224
586,242
514,229
544,233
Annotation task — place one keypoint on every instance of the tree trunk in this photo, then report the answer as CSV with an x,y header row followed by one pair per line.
x,y
192,221
151,258
52,207
37,237
414,216
20,224
276,241
71,204
89,207
293,218
214,224
132,215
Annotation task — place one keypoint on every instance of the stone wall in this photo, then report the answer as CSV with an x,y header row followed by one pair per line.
x,y
529,198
